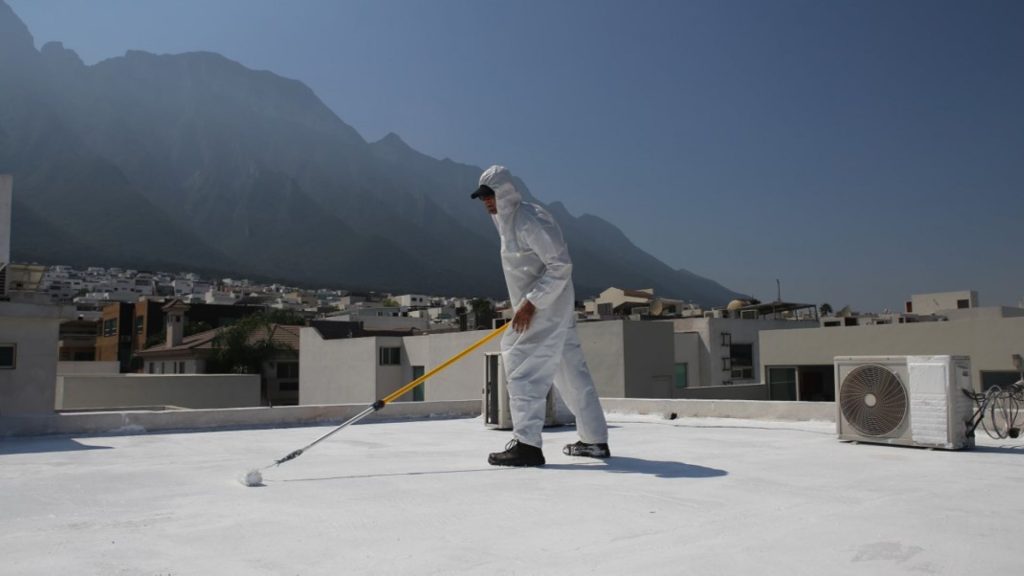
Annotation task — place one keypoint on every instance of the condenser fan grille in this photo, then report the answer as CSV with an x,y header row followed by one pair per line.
x,y
873,400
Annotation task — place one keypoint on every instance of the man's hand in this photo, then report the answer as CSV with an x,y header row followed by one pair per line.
x,y
521,321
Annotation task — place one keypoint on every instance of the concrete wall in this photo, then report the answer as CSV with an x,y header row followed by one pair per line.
x,y
388,378
626,359
347,370
648,352
337,371
711,352
460,381
989,341
603,348
71,368
137,422
80,392
28,388
731,392
748,409
172,365
939,301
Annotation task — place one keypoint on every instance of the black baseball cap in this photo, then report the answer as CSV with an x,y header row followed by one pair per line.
x,y
483,190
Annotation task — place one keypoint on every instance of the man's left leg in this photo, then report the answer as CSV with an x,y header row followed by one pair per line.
x,y
577,388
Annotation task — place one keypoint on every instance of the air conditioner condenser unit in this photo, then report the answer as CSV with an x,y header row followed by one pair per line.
x,y
495,399
904,400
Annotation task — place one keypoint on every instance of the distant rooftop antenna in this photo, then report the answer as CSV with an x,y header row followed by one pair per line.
x,y
778,286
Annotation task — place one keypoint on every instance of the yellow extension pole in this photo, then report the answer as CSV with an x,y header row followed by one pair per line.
x,y
397,393
390,397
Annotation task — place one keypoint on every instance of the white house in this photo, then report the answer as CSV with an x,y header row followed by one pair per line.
x,y
626,358
412,300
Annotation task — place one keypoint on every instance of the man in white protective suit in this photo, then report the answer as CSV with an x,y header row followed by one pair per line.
x,y
542,348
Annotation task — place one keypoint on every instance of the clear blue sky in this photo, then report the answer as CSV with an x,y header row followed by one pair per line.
x,y
859,151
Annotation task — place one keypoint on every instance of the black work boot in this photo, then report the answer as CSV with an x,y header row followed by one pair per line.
x,y
517,454
581,448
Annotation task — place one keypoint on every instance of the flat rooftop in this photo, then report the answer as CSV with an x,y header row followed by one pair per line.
x,y
693,496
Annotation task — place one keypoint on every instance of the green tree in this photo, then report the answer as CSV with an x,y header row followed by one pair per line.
x,y
825,309
244,347
285,317
192,328
483,312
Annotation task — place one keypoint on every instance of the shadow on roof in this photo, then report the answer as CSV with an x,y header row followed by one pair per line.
x,y
33,445
658,468
998,449
425,473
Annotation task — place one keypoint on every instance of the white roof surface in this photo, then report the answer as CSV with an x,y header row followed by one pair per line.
x,y
688,496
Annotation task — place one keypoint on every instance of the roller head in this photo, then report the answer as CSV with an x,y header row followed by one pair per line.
x,y
252,478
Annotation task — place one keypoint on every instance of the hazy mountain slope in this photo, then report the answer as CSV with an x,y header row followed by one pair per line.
x,y
193,160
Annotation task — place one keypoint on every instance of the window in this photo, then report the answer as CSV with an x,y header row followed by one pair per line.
x,y
682,380
288,386
726,339
418,393
181,367
151,367
140,322
287,369
110,327
742,361
8,356
963,303
1002,378
781,383
389,356
910,307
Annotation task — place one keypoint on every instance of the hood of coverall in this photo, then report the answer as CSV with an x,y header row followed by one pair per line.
x,y
506,196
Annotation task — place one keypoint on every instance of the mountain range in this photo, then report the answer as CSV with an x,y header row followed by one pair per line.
x,y
195,162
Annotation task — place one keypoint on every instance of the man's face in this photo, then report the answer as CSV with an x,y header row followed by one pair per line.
x,y
491,203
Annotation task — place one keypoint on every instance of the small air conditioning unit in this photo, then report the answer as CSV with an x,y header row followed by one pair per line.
x,y
904,400
496,407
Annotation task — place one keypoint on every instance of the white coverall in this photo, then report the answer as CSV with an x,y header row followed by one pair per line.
x,y
537,268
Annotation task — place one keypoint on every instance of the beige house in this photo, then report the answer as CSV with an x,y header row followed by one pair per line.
x,y
621,302
28,356
938,302
798,364
715,352
181,354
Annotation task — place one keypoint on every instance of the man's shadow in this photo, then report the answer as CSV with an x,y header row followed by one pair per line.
x,y
614,465
657,468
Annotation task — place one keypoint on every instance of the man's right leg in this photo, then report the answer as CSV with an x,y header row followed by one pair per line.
x,y
530,366
531,360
